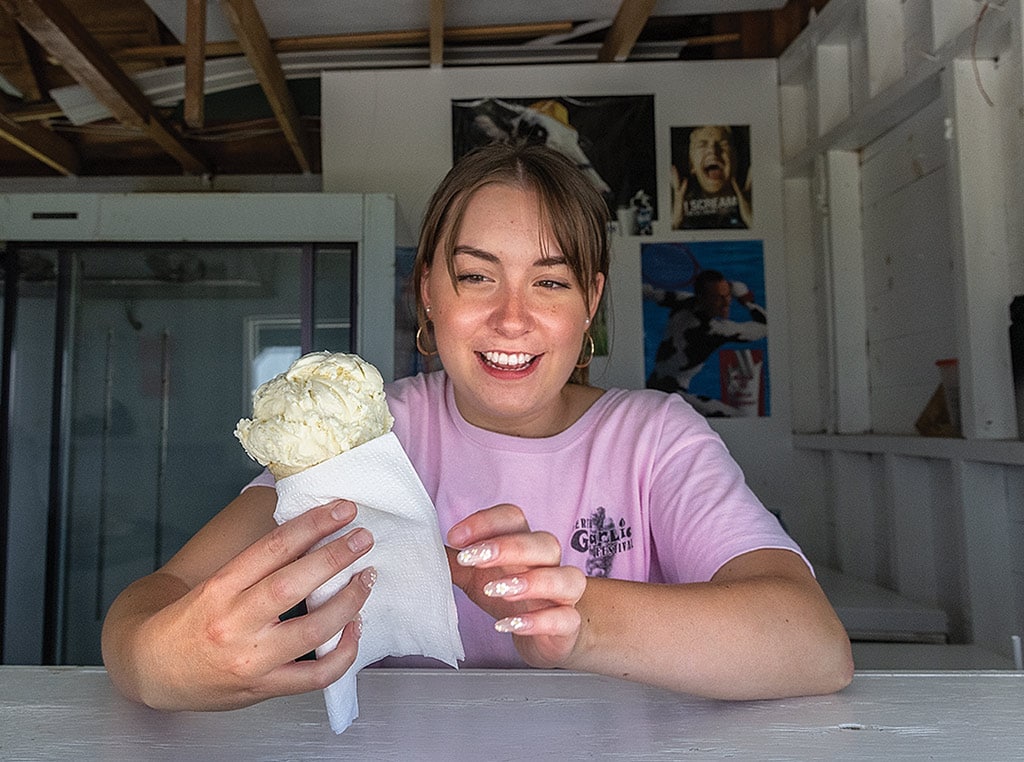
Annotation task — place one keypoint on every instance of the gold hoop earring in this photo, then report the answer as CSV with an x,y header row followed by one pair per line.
x,y
587,352
419,343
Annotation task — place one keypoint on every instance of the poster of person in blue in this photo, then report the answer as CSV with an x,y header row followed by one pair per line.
x,y
706,325
711,180
610,138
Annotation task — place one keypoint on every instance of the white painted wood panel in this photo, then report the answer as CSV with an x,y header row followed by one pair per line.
x,y
832,73
991,583
982,274
908,260
857,481
913,487
941,146
805,279
884,32
48,714
847,302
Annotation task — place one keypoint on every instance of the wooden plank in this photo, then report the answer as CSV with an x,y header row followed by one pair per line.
x,y
76,713
983,163
195,62
64,37
16,63
846,271
354,41
436,34
38,142
252,35
629,22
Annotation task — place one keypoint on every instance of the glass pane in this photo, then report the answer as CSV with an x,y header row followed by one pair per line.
x,y
163,367
32,368
332,304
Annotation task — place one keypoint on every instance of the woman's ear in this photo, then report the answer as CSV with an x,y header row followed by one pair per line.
x,y
424,296
595,294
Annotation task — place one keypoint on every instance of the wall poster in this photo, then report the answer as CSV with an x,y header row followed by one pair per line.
x,y
711,179
706,325
610,137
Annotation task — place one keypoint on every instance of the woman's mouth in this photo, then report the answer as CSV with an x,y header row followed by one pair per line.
x,y
507,361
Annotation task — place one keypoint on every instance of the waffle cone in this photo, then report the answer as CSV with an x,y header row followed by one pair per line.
x,y
282,470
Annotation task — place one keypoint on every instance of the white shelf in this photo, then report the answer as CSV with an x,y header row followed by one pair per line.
x,y
873,613
1000,451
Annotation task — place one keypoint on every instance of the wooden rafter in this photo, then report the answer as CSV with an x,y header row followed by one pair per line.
x,y
38,141
436,34
355,41
629,22
252,36
23,61
57,30
195,62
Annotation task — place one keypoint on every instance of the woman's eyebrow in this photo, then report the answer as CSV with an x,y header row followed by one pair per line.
x,y
471,251
545,261
551,261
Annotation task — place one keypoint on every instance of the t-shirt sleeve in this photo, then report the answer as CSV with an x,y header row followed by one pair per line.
x,y
703,514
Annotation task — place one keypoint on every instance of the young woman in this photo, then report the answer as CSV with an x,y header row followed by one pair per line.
x,y
603,531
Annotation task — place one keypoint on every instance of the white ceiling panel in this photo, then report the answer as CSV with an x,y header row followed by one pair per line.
x,y
302,18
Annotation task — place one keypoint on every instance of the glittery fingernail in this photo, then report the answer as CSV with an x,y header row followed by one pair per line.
x,y
476,554
499,588
368,576
511,624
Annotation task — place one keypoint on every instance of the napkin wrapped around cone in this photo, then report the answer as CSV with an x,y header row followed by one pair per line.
x,y
323,429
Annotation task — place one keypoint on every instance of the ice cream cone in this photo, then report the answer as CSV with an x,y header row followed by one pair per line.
x,y
323,405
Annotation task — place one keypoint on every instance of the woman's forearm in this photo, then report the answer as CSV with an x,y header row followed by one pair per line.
x,y
124,622
742,636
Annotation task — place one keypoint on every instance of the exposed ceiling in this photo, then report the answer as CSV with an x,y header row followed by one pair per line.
x,y
164,87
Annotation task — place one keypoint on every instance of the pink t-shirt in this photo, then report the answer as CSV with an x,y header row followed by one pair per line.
x,y
639,488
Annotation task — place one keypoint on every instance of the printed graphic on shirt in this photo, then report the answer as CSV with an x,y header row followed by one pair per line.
x,y
601,538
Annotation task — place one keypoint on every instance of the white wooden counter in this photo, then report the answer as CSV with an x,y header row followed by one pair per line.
x,y
74,713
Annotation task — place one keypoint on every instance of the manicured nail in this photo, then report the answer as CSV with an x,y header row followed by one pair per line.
x,y
499,588
357,623
512,624
359,540
368,577
477,554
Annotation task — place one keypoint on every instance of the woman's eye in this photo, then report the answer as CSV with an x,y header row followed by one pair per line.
x,y
553,284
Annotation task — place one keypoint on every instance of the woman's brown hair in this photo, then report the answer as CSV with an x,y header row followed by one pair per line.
x,y
573,211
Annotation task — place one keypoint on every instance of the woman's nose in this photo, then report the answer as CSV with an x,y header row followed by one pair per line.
x,y
511,314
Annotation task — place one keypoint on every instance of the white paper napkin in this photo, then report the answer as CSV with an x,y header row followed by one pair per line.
x,y
411,609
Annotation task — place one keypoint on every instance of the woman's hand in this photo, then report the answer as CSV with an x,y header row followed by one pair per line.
x,y
219,644
516,575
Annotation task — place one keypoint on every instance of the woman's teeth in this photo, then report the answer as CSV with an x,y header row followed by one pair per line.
x,y
504,361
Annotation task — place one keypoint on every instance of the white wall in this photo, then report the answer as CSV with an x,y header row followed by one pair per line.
x,y
390,131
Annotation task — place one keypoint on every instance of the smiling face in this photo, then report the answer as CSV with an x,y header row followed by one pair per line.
x,y
711,158
510,328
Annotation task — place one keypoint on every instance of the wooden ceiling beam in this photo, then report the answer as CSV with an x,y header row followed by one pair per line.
x,y
60,33
195,63
436,34
355,41
38,142
24,74
252,35
622,36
